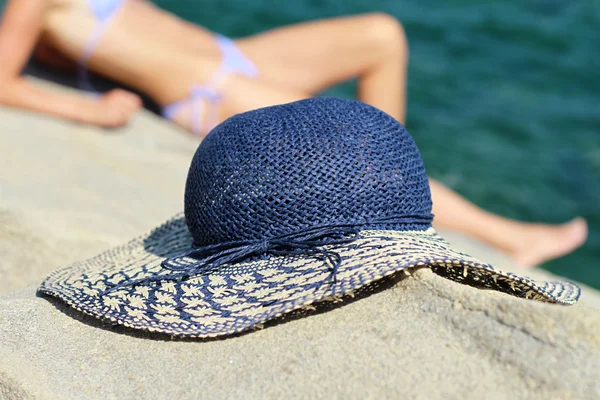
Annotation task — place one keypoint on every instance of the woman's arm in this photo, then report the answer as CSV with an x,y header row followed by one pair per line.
x,y
20,29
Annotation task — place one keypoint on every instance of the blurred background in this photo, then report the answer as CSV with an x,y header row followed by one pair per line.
x,y
502,98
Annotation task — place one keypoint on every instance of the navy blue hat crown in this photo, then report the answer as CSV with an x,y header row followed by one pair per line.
x,y
322,162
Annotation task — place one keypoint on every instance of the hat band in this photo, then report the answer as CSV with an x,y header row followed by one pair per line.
x,y
309,242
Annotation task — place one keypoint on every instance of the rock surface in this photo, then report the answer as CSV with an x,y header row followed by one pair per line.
x,y
68,192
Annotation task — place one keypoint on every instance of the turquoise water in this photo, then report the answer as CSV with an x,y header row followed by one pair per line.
x,y
503,98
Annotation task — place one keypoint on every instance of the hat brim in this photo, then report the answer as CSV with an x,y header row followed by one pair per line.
x,y
238,297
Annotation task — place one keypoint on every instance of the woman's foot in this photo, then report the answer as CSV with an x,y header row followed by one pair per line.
x,y
539,243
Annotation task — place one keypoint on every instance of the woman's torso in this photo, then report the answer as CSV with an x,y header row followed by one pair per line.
x,y
142,46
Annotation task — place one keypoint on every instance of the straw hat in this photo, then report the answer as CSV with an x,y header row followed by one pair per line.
x,y
285,206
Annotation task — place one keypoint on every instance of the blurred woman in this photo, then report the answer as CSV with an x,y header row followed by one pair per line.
x,y
200,78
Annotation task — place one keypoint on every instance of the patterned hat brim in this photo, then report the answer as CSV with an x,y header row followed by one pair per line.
x,y
238,297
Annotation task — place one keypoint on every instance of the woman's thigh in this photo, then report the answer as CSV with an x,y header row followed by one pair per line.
x,y
314,55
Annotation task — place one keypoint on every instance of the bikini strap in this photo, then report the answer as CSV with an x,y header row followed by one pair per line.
x,y
104,17
83,76
213,97
233,62
207,92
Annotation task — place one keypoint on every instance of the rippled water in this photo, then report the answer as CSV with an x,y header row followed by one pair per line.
x,y
503,98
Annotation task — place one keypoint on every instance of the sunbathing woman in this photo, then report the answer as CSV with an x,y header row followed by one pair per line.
x,y
200,78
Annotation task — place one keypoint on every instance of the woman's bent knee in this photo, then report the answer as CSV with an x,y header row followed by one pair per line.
x,y
386,32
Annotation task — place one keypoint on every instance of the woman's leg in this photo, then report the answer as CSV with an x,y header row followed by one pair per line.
x,y
528,244
310,57
326,52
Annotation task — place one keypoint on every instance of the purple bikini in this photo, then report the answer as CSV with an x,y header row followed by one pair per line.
x,y
233,62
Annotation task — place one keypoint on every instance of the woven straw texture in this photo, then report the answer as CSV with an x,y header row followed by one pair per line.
x,y
312,163
284,206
